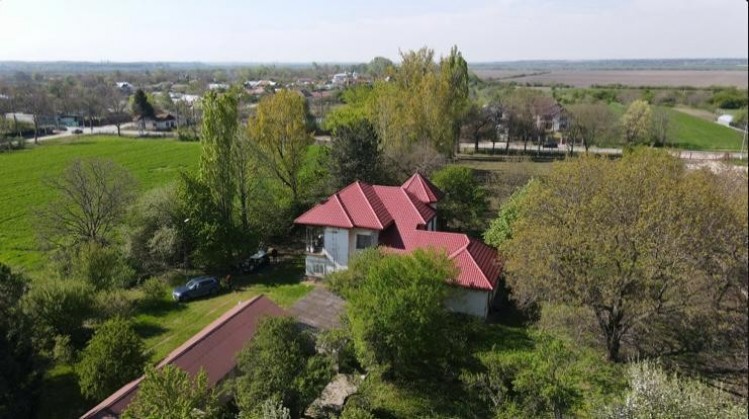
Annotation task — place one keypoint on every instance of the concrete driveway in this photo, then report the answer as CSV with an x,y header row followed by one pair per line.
x,y
320,309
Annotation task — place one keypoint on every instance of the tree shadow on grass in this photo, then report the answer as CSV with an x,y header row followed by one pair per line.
x,y
61,397
161,308
148,329
274,275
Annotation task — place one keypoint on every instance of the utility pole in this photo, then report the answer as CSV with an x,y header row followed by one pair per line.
x,y
743,142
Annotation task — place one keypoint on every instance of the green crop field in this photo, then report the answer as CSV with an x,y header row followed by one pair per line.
x,y
22,174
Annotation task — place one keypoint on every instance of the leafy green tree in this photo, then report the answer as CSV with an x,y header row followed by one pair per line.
x,y
465,204
170,392
280,364
218,139
211,227
153,236
141,106
554,379
102,267
114,356
398,321
379,67
355,154
20,376
358,102
454,78
591,123
479,123
636,123
500,229
281,133
640,242
58,307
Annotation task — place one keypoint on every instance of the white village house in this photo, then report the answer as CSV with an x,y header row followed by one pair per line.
x,y
400,219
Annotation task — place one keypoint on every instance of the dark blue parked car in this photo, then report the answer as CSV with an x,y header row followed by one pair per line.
x,y
196,287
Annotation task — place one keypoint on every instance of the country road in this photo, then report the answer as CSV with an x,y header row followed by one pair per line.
x,y
684,154
464,147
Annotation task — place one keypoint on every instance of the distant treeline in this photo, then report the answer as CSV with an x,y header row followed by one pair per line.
x,y
74,67
634,64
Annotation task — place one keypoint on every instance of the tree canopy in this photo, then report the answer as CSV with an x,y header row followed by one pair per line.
x,y
113,357
646,246
280,131
465,202
279,363
170,392
396,312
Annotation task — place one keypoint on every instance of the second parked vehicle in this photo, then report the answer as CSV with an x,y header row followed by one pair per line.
x,y
195,288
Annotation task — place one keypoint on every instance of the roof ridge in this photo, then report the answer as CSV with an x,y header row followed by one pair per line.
x,y
408,197
343,207
463,247
215,325
475,262
369,204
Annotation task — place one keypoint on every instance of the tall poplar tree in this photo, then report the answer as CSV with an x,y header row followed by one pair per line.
x,y
218,138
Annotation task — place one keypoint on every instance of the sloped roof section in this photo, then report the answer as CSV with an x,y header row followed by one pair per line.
x,y
423,189
364,207
213,349
407,212
355,206
478,265
327,213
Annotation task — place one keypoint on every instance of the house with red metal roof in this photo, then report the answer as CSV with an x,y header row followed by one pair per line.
x,y
401,219
213,349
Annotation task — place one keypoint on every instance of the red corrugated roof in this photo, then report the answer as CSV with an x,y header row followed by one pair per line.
x,y
356,205
423,189
401,213
213,349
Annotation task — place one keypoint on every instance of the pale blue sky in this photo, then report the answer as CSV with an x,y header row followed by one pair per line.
x,y
354,30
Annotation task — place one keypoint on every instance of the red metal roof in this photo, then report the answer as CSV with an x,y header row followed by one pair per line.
x,y
401,213
356,205
423,189
213,349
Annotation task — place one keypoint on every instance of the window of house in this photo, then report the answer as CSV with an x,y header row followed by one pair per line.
x,y
318,268
364,241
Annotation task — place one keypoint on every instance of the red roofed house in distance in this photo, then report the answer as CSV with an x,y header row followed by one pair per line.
x,y
400,218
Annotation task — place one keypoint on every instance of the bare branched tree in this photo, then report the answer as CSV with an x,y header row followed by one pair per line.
x,y
93,196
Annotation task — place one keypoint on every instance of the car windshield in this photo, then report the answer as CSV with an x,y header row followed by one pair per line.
x,y
192,284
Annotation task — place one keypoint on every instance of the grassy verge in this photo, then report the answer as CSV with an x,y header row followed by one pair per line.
x,y
22,174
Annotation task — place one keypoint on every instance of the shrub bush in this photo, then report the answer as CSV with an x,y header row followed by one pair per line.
x,y
154,292
102,267
114,303
63,351
59,307
113,357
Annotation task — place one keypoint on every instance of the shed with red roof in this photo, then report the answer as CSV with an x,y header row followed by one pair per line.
x,y
213,349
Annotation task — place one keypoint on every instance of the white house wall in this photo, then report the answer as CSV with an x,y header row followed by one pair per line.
x,y
337,245
352,238
468,301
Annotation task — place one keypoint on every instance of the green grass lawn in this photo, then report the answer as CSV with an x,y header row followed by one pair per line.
x,y
690,131
693,133
22,191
